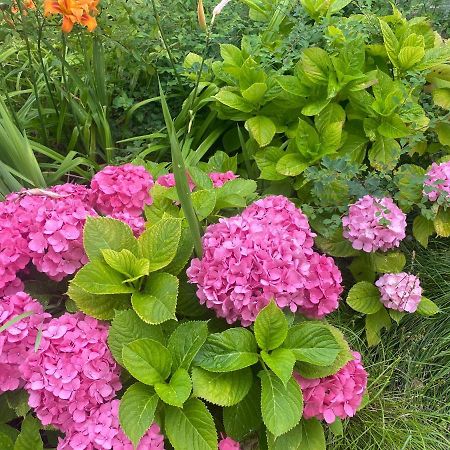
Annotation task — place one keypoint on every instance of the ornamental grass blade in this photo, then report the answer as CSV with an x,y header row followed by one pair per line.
x,y
181,181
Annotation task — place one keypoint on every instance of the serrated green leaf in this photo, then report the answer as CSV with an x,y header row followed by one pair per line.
x,y
291,440
427,307
443,132
390,42
364,297
126,263
392,262
18,401
233,101
281,362
224,389
127,327
137,411
270,327
409,56
422,230
315,64
255,93
266,160
228,351
384,154
374,324
191,427
393,127
147,360
204,202
281,406
177,390
442,222
29,437
262,129
184,253
158,301
291,165
336,246
313,435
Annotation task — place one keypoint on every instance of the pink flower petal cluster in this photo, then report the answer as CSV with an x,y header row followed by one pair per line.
x,y
12,288
73,372
18,339
338,395
229,444
266,252
220,178
136,223
438,177
102,431
119,189
78,191
400,291
168,181
374,224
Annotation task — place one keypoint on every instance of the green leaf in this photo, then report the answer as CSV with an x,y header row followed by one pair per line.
x,y
6,440
409,179
336,427
262,129
101,307
158,301
224,389
293,85
159,243
392,262
267,160
126,263
443,132
336,245
137,411
291,440
281,406
281,362
127,327
374,324
313,435
315,64
397,316
291,165
384,154
390,42
147,360
427,307
312,342
98,278
364,297
231,55
184,253
233,101
29,437
422,230
101,233
255,93
7,413
244,418
191,427
393,127
204,202
185,342
271,327
177,391
442,223
18,401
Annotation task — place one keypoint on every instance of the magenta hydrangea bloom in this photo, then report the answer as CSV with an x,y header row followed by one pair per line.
x,y
400,291
73,372
264,253
77,191
12,288
168,181
374,224
136,223
338,395
119,189
19,339
438,177
229,444
220,178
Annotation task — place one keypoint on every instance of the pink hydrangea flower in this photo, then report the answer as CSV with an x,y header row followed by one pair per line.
x,y
73,372
12,288
168,181
119,189
136,223
338,395
77,191
219,178
400,291
19,339
264,253
229,444
438,177
374,224
102,431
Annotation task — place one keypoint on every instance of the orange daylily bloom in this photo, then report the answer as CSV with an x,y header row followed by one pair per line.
x,y
73,11
26,4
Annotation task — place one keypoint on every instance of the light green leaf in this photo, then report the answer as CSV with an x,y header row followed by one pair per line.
x,y
177,391
390,42
281,362
271,327
434,57
233,101
204,202
384,154
392,262
336,427
364,297
427,307
374,324
126,263
313,435
158,301
397,316
159,243
315,64
443,132
442,222
29,437
262,129
228,351
409,56
255,93
281,406
6,441
184,253
291,440
291,165
393,127
137,411
293,85
191,427
231,55
147,360
267,160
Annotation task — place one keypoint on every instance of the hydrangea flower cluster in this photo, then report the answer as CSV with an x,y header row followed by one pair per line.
x,y
438,177
266,252
168,181
229,444
400,291
338,395
220,178
374,224
73,372
18,339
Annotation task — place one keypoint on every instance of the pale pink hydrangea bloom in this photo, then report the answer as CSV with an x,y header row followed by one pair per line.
x,y
119,189
73,372
400,291
338,395
264,253
374,224
220,178
19,339
168,181
438,177
229,444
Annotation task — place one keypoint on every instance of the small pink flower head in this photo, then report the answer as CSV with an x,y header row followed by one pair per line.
x,y
168,181
229,444
18,340
136,223
73,372
119,189
438,177
338,395
251,258
374,224
400,291
219,178
12,288
77,191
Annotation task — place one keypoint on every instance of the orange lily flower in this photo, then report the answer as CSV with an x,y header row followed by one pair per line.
x,y
73,11
26,4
